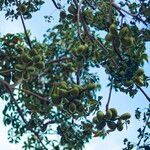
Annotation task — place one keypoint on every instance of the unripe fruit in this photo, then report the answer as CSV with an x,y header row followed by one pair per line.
x,y
125,116
100,116
91,86
140,72
128,83
25,58
108,115
63,15
139,81
114,113
95,120
119,125
31,69
72,108
33,52
108,37
112,125
127,41
124,32
80,108
74,91
72,9
19,67
37,58
23,8
40,65
63,92
113,29
101,125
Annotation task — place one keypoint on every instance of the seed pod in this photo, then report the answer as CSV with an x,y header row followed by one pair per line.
x,y
95,120
31,69
23,8
100,116
112,125
72,9
113,30
63,15
74,91
19,67
40,65
101,125
125,116
119,125
114,113
72,108
124,32
108,115
25,58
37,58
140,72
108,37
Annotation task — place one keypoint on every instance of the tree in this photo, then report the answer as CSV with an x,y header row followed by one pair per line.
x,y
48,85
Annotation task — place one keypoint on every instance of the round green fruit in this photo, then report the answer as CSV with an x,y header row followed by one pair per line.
x,y
31,69
125,116
124,32
40,65
114,113
23,8
25,58
95,120
108,115
74,91
19,67
113,29
101,125
37,58
63,15
119,125
111,125
100,116
140,72
72,9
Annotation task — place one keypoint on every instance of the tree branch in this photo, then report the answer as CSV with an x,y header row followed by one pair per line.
x,y
24,27
109,96
147,97
56,5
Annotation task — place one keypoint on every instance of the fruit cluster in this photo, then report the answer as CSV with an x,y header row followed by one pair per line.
x,y
110,118
29,64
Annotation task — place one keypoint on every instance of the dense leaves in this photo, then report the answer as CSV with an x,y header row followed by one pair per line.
x,y
49,87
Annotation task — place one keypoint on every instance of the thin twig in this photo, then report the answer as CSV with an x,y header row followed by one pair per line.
x,y
56,5
147,97
109,96
23,24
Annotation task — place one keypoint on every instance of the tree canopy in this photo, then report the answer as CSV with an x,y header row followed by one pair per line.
x,y
49,86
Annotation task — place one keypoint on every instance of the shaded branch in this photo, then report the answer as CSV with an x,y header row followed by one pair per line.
x,y
56,5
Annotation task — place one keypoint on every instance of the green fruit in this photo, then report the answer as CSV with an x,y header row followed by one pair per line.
x,y
119,125
40,65
80,108
127,41
26,76
125,116
101,125
112,125
140,72
62,92
100,116
139,81
108,115
25,58
23,8
63,15
72,9
128,83
19,67
124,32
114,113
113,30
72,108
31,69
91,86
37,58
95,120
33,52
108,37
74,91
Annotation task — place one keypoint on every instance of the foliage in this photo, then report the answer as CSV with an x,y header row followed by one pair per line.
x,y
48,86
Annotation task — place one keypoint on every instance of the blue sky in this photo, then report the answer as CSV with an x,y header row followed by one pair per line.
x,y
122,102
